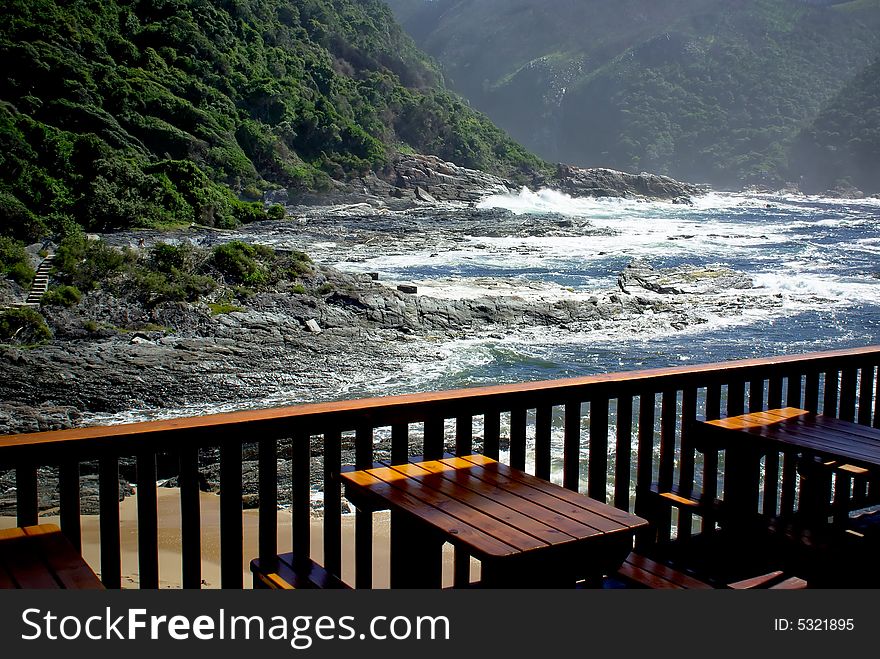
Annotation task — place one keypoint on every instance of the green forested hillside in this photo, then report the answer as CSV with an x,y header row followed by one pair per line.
x,y
705,90
842,146
155,112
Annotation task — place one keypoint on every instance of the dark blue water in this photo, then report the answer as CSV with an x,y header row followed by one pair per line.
x,y
817,259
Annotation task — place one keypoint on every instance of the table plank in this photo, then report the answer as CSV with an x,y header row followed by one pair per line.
x,y
467,534
463,474
620,518
463,512
548,502
493,503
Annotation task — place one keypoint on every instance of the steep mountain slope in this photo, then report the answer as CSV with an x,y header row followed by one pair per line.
x,y
154,112
842,146
706,90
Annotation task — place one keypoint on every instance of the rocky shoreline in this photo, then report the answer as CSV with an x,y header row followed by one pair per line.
x,y
418,180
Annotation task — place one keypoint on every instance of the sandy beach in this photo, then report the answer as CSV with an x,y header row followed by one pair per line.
x,y
169,541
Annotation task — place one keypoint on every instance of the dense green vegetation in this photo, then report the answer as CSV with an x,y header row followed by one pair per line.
x,y
153,113
175,272
704,90
14,261
24,327
842,146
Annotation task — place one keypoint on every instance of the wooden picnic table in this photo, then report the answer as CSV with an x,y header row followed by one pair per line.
x,y
816,440
525,531
42,557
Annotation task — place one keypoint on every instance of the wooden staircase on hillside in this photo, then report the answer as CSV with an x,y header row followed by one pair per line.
x,y
41,282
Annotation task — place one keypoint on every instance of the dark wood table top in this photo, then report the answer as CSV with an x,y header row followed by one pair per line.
x,y
790,427
42,557
488,508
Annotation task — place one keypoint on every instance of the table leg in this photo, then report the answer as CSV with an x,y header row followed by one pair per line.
x,y
416,555
815,491
742,478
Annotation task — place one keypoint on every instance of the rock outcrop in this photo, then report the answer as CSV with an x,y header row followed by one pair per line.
x,y
418,180
600,182
684,280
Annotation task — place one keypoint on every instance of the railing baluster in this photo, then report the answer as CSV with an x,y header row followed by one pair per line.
x,y
794,390
491,433
687,470
27,496
667,439
713,401
622,452
231,552
543,430
399,443
363,566
832,388
771,463
190,518
645,464
332,503
518,420
268,484
68,490
848,393
876,423
710,460
597,476
866,392
108,488
735,406
756,395
300,505
774,393
572,446
736,397
147,521
434,438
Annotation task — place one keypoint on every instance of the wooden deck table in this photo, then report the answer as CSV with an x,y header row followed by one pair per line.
x,y
526,532
815,440
42,557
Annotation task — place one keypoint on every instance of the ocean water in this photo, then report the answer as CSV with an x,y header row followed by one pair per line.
x,y
818,259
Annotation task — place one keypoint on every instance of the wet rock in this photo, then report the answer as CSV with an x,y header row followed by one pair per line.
x,y
692,280
600,182
19,418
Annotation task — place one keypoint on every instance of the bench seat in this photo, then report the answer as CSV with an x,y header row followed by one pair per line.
x,y
288,572
651,574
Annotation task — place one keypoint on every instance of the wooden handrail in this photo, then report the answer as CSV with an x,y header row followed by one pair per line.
x,y
346,411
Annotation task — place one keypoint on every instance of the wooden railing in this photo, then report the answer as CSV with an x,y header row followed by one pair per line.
x,y
600,435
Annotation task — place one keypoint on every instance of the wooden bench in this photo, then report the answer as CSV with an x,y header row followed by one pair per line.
x,y
288,572
651,574
42,557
